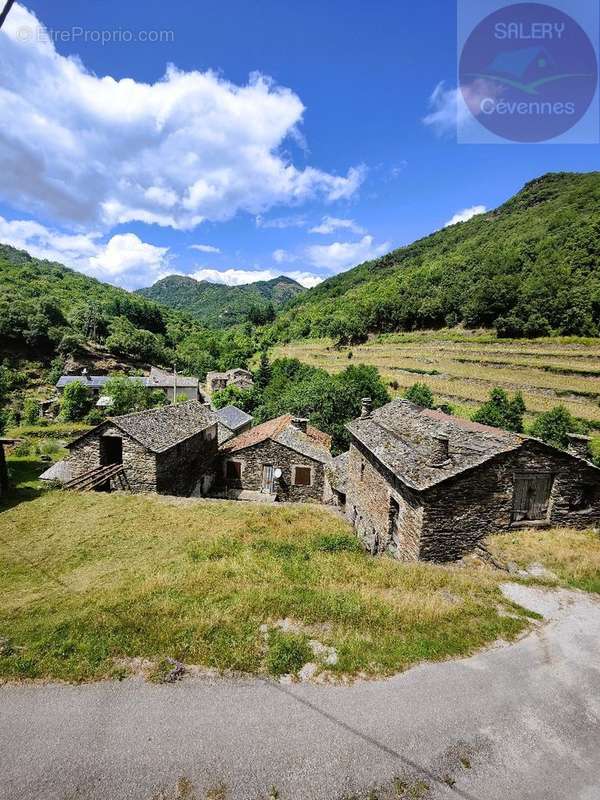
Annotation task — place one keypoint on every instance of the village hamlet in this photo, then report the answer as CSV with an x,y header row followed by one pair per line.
x,y
416,483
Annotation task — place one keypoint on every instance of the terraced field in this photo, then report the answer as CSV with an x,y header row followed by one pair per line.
x,y
462,367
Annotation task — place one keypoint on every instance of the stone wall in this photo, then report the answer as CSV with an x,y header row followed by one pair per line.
x,y
183,467
370,491
139,463
462,511
252,460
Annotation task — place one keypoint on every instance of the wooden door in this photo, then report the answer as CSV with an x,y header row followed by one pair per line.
x,y
267,486
531,497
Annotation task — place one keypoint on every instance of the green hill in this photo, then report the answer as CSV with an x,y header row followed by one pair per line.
x,y
530,267
220,306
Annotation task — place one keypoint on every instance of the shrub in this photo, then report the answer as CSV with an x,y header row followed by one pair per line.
x,y
554,426
95,417
287,653
502,412
420,394
48,447
31,411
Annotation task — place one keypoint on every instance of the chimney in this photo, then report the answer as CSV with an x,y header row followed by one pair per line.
x,y
440,453
300,423
367,408
579,445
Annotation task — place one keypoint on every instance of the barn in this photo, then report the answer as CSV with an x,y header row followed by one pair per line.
x,y
424,485
169,450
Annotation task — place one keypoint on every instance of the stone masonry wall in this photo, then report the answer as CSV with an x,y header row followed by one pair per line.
x,y
462,511
183,467
139,463
370,489
269,452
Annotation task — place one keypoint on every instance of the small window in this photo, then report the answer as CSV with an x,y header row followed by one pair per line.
x,y
233,470
302,476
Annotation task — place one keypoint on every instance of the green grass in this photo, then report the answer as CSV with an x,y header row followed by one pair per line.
x,y
92,581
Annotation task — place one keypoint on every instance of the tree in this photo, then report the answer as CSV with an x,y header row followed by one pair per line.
x,y
76,401
131,395
246,399
502,412
420,394
262,376
554,426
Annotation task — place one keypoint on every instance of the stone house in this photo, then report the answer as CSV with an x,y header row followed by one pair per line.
x,y
169,450
238,377
170,384
232,421
284,458
424,485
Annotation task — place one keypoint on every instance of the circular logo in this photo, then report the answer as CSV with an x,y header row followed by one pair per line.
x,y
528,72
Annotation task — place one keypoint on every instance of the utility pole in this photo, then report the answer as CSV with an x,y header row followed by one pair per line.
x,y
174,383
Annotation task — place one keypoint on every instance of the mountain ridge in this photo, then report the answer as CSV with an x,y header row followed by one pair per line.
x,y
220,305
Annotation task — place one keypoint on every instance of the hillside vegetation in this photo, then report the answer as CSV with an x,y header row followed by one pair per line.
x,y
220,306
529,268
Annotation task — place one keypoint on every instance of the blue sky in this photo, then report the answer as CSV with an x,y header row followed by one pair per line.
x,y
287,137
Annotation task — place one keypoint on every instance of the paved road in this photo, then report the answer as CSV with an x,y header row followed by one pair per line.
x,y
515,722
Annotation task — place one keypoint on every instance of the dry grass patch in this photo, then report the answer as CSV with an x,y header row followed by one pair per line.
x,y
574,556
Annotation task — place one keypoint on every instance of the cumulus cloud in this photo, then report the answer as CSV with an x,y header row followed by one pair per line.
x,y
342,255
205,248
191,147
465,215
332,224
281,256
124,260
240,277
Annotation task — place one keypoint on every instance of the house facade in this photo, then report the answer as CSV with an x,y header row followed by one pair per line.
x,y
169,450
238,377
424,485
285,459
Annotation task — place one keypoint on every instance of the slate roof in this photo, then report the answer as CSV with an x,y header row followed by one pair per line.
x,y
233,417
400,435
93,381
160,377
160,429
61,472
313,444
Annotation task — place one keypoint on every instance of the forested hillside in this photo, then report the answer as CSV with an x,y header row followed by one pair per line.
x,y
48,310
220,306
529,268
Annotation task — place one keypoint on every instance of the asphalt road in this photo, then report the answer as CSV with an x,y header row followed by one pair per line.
x,y
511,723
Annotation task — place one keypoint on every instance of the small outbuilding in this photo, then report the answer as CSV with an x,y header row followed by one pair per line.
x,y
238,377
424,485
169,450
284,459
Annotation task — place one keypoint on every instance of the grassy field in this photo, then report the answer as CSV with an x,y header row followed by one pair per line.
x,y
91,582
462,367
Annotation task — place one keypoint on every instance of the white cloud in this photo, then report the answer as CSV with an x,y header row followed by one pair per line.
x,y
342,255
295,221
452,109
331,224
239,277
465,215
205,248
188,148
124,260
281,256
